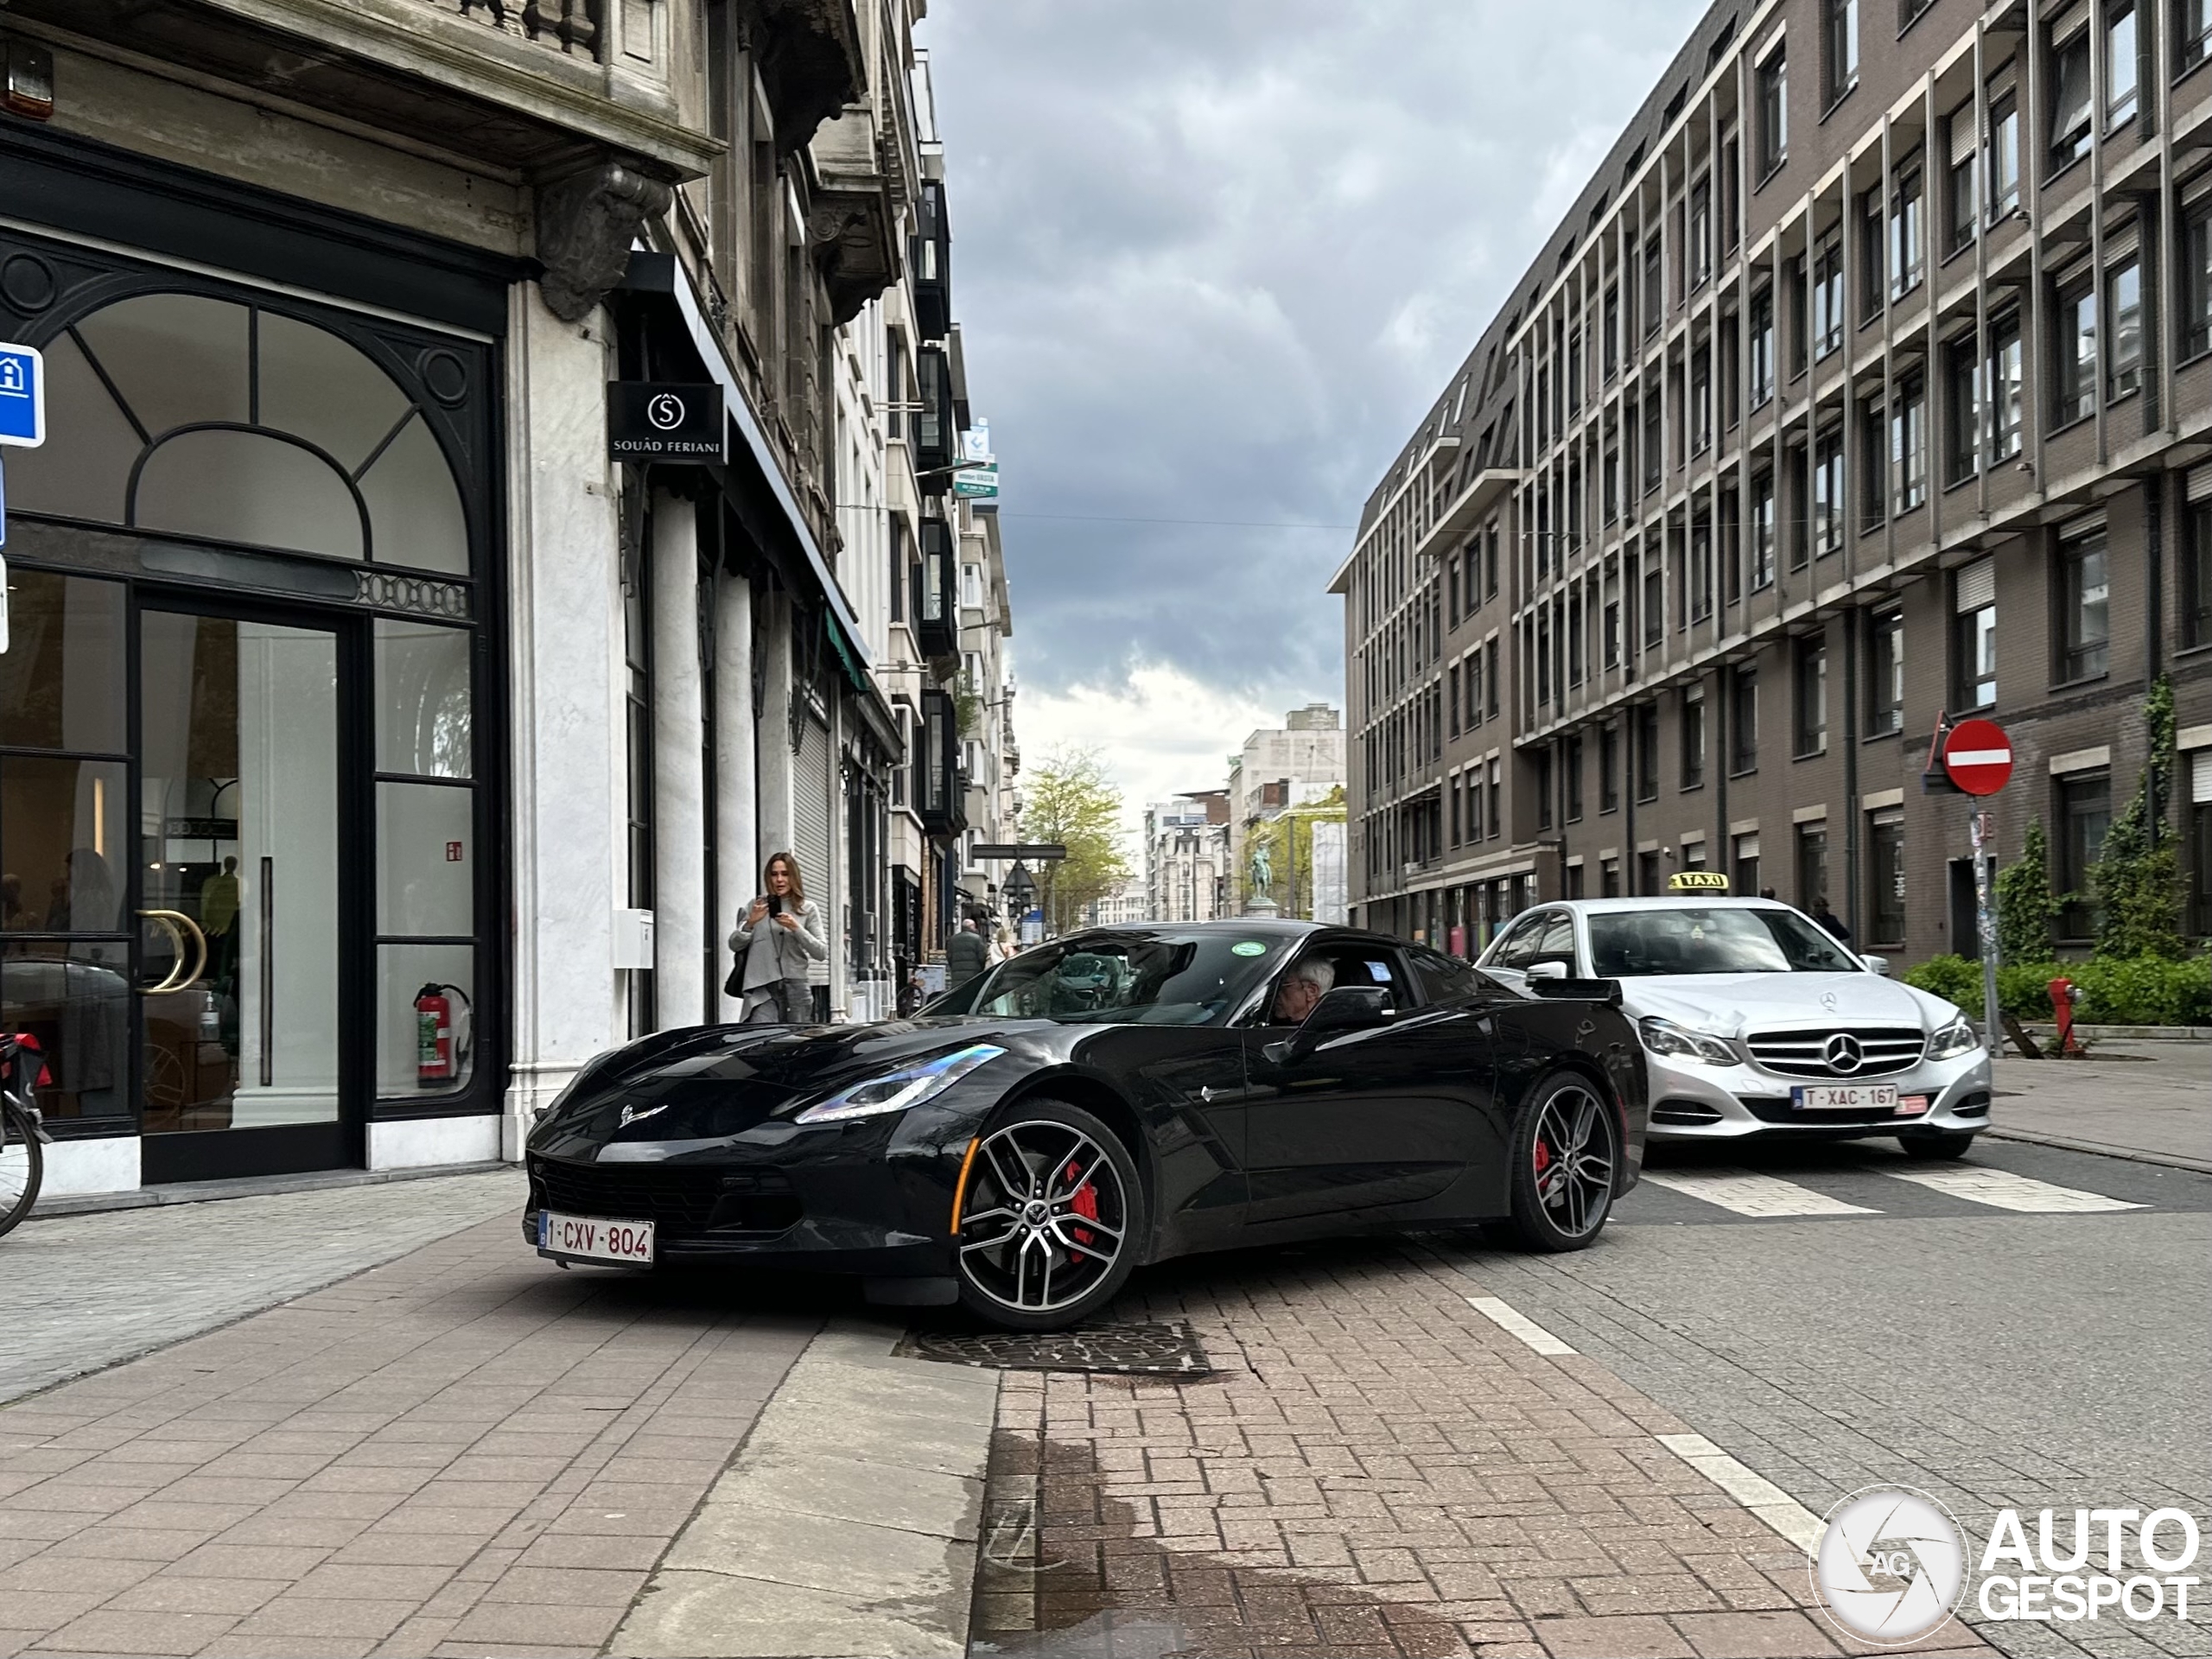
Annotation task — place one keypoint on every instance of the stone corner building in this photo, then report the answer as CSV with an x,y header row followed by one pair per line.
x,y
374,750
1870,378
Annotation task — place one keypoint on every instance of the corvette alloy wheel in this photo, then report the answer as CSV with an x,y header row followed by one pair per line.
x,y
1045,1220
1572,1156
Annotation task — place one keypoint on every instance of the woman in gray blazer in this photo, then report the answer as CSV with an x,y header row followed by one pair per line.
x,y
779,930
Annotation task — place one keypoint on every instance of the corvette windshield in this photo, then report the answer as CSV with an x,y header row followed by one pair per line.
x,y
1685,939
1153,979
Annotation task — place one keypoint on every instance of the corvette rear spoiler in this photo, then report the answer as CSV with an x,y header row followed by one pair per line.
x,y
1607,991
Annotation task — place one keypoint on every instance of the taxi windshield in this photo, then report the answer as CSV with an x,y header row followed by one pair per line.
x,y
1694,939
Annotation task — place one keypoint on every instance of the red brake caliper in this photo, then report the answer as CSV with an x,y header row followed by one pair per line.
x,y
1543,1156
1083,1202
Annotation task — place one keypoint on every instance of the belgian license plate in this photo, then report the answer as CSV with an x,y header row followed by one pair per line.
x,y
592,1238
1845,1097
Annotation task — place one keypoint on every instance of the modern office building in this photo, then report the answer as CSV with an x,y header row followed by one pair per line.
x,y
1868,382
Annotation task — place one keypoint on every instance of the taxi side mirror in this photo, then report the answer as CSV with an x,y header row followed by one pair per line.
x,y
1877,964
1550,968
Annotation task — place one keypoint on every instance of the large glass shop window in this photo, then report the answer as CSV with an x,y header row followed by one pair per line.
x,y
65,950
207,417
426,861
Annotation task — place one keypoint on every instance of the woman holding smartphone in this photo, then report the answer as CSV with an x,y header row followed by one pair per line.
x,y
779,930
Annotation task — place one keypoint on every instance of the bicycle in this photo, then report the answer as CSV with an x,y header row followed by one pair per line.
x,y
22,1133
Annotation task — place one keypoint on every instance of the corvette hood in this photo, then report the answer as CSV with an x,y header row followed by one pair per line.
x,y
711,1082
1730,1004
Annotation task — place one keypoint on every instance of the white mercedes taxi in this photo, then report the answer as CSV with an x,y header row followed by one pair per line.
x,y
1756,1021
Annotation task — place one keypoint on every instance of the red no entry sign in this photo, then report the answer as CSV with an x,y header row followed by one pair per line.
x,y
1978,756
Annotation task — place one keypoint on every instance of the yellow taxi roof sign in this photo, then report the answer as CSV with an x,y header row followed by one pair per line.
x,y
1698,882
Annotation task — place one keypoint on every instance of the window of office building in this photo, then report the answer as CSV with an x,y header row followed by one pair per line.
x,y
1609,872
2196,283
2071,100
2084,607
1885,877
1609,769
2083,814
1812,673
1761,529
1571,764
1497,792
1908,235
2124,343
1962,204
1744,865
1973,636
2196,562
1839,47
2073,353
2003,156
1812,864
1827,493
1693,854
2002,389
1744,720
1885,674
1909,443
1762,346
1773,111
1827,297
1693,715
2119,64
1962,411
2193,33
1647,751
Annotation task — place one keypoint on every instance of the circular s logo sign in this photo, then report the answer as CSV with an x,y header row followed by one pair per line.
x,y
665,412
1891,1566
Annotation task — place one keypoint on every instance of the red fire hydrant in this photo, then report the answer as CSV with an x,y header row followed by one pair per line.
x,y
2064,993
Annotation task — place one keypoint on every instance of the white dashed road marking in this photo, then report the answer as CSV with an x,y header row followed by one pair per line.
x,y
2003,1190
1753,1490
1520,1325
1748,1194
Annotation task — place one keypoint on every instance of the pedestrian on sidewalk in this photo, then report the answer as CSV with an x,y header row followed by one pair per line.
x,y
1828,919
966,955
779,933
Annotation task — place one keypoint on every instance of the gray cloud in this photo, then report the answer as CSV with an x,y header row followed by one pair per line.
x,y
1214,260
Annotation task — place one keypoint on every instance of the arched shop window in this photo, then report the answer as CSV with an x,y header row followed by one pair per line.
x,y
209,417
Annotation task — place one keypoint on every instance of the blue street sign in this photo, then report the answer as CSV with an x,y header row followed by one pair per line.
x,y
23,396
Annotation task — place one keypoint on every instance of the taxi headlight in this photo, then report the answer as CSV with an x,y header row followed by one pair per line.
x,y
895,1091
1956,1038
1673,1042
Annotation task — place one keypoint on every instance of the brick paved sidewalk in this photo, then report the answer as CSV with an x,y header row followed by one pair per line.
x,y
1374,1469
462,1453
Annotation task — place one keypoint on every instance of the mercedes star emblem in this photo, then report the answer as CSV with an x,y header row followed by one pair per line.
x,y
1843,1054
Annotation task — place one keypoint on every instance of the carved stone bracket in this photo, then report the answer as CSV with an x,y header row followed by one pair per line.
x,y
851,231
585,225
810,64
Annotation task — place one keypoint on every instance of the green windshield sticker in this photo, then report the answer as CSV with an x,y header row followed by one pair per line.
x,y
1247,948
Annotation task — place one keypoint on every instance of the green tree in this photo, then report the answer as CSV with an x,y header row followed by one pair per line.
x,y
2137,877
1289,841
2026,908
1072,800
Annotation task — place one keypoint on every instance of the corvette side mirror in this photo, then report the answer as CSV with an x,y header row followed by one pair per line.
x,y
1346,1007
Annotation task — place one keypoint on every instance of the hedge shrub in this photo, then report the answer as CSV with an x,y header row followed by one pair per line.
x,y
2115,991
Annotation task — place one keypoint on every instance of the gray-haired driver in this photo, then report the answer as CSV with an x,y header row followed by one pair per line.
x,y
1301,988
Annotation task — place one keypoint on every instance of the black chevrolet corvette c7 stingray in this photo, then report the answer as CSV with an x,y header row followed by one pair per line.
x,y
1112,1098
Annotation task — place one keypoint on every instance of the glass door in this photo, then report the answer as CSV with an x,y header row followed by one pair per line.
x,y
238,904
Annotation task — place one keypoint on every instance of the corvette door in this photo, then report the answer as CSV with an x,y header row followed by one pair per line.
x,y
1359,1123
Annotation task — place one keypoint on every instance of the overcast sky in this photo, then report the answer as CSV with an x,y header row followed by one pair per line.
x,y
1213,260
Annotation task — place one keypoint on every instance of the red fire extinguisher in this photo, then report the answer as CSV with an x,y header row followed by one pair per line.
x,y
434,1063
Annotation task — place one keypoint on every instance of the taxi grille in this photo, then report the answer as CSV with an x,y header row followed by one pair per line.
x,y
682,1197
1880,1051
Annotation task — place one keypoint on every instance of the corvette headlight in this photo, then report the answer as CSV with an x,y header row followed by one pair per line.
x,y
895,1091
1665,1037
1956,1038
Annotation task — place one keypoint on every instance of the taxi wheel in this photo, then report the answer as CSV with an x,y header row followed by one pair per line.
x,y
1931,1147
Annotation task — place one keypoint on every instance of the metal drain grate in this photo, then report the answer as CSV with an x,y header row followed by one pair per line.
x,y
1137,1350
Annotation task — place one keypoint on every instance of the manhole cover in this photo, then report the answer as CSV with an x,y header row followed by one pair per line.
x,y
1144,1349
